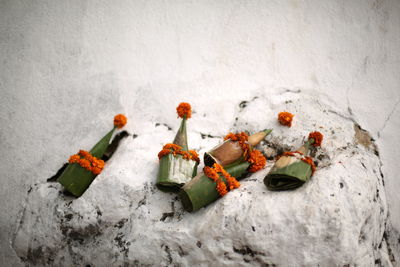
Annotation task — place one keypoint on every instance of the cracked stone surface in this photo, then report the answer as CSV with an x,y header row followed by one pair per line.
x,y
338,218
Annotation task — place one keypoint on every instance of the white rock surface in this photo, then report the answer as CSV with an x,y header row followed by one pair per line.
x,y
67,67
336,219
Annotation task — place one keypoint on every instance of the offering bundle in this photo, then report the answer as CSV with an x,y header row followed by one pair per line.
x,y
293,169
178,164
225,164
84,166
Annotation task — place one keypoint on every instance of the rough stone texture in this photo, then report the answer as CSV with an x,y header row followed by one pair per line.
x,y
67,67
336,219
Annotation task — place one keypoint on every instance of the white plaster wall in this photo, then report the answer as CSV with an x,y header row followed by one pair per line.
x,y
68,66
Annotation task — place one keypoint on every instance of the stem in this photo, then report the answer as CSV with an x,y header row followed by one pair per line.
x,y
267,131
304,149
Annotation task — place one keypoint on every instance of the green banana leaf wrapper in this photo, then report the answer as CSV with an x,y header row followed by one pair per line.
x,y
77,179
289,177
201,190
174,172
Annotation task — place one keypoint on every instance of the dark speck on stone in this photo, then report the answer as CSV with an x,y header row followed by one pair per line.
x,y
68,217
341,185
243,104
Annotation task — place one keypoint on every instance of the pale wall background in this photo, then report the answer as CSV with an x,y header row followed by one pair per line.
x,y
66,67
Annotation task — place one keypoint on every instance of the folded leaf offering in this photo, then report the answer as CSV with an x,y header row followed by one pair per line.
x,y
234,147
178,164
293,169
217,180
85,166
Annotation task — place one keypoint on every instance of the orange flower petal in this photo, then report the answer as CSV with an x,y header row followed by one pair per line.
x,y
120,120
285,118
317,136
184,110
257,161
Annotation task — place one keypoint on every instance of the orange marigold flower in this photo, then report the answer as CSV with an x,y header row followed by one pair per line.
x,y
257,160
177,150
309,161
96,170
211,173
231,136
87,161
221,188
194,156
232,182
172,146
84,153
217,167
163,152
120,120
241,138
184,154
285,118
317,136
184,110
237,137
97,163
85,164
74,159
90,158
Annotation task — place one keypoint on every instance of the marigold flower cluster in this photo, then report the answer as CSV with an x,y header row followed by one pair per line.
x,y
241,138
255,157
221,187
87,161
184,110
177,150
285,118
257,160
317,136
120,120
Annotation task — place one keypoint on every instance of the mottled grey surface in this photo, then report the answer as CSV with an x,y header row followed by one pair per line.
x,y
67,67
338,218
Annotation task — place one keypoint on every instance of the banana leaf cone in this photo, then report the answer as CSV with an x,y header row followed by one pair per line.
x,y
201,190
77,179
230,151
290,171
174,170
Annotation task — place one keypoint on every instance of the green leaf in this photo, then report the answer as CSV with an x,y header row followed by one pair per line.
x,y
100,148
289,177
77,179
174,172
201,191
181,136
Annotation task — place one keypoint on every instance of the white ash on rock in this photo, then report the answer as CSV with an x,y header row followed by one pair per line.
x,y
336,219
